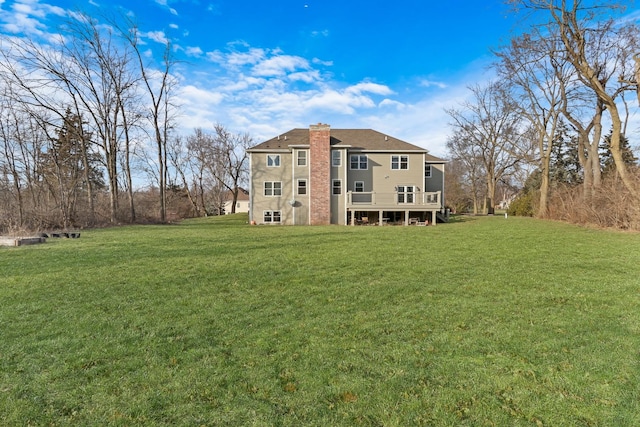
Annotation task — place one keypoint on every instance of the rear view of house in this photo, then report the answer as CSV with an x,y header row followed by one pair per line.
x,y
321,176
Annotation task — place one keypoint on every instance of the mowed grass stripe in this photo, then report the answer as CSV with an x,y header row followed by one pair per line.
x,y
483,321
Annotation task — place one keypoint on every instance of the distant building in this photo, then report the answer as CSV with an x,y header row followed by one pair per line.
x,y
242,203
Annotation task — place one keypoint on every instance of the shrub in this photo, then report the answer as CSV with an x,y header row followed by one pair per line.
x,y
523,205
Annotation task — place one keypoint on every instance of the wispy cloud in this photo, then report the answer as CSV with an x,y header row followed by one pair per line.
x,y
165,5
432,83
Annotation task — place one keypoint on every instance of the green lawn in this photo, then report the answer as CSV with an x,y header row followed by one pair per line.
x,y
479,322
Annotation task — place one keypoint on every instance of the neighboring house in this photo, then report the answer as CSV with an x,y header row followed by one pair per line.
x,y
242,204
322,176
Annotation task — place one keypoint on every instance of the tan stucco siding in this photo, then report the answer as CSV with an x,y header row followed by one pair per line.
x,y
301,208
261,173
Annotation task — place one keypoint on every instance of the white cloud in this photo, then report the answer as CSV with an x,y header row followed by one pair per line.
x,y
280,65
431,83
193,51
370,88
156,36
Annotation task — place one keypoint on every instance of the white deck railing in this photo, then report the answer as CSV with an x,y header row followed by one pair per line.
x,y
378,200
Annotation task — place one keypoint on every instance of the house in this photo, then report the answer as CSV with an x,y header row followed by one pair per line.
x,y
242,203
320,176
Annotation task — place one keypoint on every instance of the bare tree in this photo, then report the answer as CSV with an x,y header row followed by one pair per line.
x,y
230,159
535,67
598,48
491,123
159,87
465,155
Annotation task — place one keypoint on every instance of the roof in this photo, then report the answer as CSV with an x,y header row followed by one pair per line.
x,y
355,139
243,195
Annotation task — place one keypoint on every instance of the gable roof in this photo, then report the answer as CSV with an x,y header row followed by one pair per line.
x,y
243,195
355,139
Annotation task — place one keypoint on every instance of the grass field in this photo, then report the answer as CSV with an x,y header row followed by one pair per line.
x,y
479,322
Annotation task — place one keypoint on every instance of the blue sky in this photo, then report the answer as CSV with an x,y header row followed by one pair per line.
x,y
265,67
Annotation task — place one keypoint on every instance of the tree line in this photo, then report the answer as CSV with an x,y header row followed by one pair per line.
x,y
84,115
552,126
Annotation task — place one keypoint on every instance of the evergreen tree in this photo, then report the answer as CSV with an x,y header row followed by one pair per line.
x,y
606,159
565,165
63,166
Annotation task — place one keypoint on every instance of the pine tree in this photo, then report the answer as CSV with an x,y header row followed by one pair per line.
x,y
606,159
63,166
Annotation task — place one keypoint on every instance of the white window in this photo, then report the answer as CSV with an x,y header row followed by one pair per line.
x,y
302,158
272,217
406,194
427,171
302,186
359,161
336,187
273,160
399,162
272,188
358,186
336,158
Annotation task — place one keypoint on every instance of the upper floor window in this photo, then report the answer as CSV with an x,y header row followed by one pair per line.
x,y
399,162
336,158
273,188
359,161
427,171
302,158
302,186
336,187
358,186
273,160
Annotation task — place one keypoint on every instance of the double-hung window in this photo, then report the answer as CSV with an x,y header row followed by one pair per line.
x,y
272,188
336,187
302,187
427,171
273,160
359,162
336,158
406,194
399,162
302,158
272,217
358,187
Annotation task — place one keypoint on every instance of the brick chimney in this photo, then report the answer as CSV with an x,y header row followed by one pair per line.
x,y
320,174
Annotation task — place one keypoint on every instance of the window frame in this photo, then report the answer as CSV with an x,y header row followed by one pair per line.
x,y
406,197
269,188
299,186
336,158
428,171
273,160
398,161
303,158
335,187
272,215
358,186
359,162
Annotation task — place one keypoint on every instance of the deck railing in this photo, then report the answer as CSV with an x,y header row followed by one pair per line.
x,y
398,199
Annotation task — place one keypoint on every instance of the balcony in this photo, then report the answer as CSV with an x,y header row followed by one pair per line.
x,y
417,200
